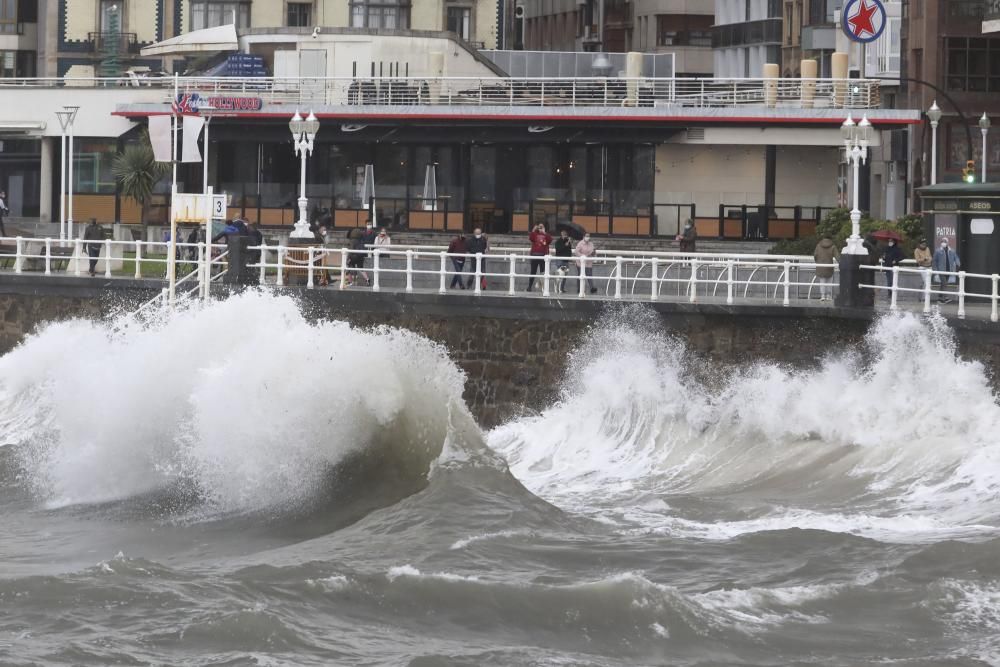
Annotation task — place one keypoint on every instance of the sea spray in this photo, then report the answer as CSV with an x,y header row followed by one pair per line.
x,y
895,437
246,401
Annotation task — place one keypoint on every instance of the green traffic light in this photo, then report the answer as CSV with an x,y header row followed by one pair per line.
x,y
969,178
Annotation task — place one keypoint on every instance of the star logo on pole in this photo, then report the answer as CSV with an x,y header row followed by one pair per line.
x,y
861,22
864,20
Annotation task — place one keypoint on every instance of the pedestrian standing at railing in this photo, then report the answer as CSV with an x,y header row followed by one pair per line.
x,y
455,248
890,258
585,264
4,212
367,243
382,241
479,244
945,260
688,238
93,232
564,250
825,255
540,242
922,255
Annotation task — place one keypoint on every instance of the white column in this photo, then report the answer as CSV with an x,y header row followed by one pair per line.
x,y
45,180
62,186
69,186
934,125
985,156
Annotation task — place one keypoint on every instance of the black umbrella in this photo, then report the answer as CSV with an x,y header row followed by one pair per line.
x,y
574,230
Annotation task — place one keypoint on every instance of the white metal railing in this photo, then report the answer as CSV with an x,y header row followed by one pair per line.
x,y
732,278
148,257
507,92
926,285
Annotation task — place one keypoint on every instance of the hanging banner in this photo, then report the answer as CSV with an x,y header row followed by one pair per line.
x,y
192,130
159,137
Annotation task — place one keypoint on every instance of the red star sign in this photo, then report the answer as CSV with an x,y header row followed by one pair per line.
x,y
861,22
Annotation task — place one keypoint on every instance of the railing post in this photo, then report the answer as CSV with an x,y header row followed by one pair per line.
x,y
263,266
605,81
729,282
545,278
574,92
202,280
343,268
961,295
409,270
543,94
309,270
693,289
376,286
48,256
927,290
582,270
280,281
78,251
787,280
512,273
107,258
18,252
654,290
138,260
479,274
442,288
618,277
993,299
894,293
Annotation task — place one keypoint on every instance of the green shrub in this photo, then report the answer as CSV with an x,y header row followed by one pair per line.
x,y
805,245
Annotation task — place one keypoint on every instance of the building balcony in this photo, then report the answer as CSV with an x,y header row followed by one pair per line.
x,y
114,42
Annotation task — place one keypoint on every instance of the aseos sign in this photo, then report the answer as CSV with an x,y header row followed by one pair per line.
x,y
863,20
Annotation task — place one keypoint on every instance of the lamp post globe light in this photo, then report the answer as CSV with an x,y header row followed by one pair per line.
x,y
856,137
934,115
303,134
984,127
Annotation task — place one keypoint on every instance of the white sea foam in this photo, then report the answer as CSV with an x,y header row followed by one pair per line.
x,y
895,440
245,400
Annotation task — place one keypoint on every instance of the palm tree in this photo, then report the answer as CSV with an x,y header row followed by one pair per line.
x,y
138,172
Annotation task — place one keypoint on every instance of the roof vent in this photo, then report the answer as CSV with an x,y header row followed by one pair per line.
x,y
696,134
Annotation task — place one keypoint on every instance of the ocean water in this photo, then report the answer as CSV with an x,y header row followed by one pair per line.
x,y
239,486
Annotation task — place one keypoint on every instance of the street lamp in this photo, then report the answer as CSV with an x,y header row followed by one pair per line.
x,y
984,127
66,118
934,115
856,137
303,135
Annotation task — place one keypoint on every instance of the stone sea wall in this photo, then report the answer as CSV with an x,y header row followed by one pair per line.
x,y
515,350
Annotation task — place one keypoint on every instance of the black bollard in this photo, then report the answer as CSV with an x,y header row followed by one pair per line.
x,y
851,294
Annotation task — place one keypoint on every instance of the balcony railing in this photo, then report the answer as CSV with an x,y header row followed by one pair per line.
x,y
508,93
116,42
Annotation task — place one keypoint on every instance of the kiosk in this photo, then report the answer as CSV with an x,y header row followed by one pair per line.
x,y
968,216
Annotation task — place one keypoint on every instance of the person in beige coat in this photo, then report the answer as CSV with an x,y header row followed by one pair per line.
x,y
826,255
922,255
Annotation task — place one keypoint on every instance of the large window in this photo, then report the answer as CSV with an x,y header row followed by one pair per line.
x,y
389,14
17,64
213,13
92,159
8,17
299,14
459,21
973,64
684,30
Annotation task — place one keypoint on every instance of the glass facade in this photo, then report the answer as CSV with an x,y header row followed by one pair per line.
x,y
495,186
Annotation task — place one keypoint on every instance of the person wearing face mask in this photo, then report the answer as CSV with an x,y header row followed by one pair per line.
x,y
585,264
477,244
945,260
890,258
688,238
922,255
540,241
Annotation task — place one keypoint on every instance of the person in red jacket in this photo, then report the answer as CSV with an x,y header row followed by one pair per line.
x,y
540,241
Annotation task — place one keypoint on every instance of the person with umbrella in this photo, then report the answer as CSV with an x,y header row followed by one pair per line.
x,y
893,255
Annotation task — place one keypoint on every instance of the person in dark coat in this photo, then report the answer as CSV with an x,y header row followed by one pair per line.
x,y
93,233
688,238
457,247
478,244
892,256
564,251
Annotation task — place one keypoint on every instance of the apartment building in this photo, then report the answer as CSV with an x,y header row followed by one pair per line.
x,y
93,37
747,35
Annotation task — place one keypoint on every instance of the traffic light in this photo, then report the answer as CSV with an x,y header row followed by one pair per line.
x,y
969,173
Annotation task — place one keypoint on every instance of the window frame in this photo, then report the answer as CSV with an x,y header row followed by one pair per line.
x,y
364,9
469,19
200,8
299,5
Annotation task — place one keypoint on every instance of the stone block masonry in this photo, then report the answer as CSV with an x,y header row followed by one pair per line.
x,y
514,351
